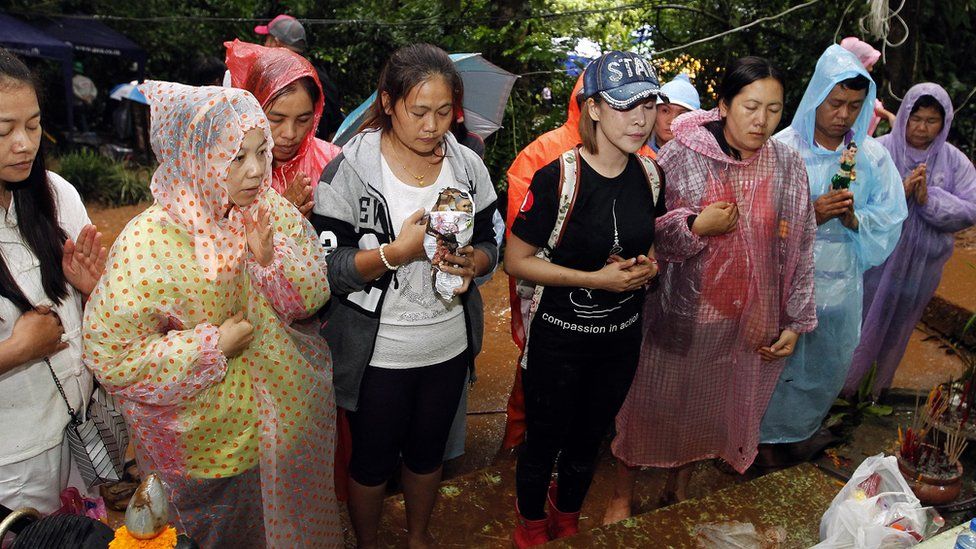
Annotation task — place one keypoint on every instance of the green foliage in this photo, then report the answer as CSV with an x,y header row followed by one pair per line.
x,y
102,180
851,413
351,39
87,171
129,186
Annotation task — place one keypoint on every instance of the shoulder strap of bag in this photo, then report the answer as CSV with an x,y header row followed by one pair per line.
x,y
652,175
569,176
568,190
71,411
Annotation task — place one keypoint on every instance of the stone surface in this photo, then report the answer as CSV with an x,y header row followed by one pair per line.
x,y
794,499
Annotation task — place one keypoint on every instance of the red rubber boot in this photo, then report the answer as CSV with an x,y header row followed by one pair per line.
x,y
561,525
529,533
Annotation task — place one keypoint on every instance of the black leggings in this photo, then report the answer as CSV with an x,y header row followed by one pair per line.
x,y
406,412
570,402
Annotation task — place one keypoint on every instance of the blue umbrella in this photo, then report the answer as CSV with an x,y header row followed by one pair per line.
x,y
128,91
486,91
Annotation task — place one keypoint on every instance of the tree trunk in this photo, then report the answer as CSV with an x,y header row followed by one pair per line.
x,y
901,62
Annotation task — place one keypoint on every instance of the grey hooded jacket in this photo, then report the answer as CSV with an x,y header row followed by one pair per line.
x,y
351,214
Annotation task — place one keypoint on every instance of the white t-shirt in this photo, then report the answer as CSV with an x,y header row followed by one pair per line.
x,y
32,412
417,327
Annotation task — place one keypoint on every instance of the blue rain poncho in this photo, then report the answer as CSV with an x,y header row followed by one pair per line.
x,y
814,375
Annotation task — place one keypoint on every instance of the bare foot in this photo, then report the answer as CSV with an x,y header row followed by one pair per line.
x,y
671,497
423,541
618,509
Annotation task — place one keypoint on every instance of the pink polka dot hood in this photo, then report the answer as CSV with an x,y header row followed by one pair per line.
x,y
195,133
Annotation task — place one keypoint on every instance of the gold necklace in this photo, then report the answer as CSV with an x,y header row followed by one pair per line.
x,y
418,178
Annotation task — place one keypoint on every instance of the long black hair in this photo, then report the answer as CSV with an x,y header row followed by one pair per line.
x,y
33,201
407,67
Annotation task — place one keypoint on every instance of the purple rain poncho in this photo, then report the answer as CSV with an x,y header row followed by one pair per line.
x,y
896,292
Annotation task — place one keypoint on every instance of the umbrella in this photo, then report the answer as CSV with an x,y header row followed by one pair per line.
x,y
486,91
128,91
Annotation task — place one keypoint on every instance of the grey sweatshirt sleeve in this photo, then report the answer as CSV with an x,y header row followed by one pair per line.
x,y
335,219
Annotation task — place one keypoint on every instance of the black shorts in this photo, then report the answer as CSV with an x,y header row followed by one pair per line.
x,y
404,412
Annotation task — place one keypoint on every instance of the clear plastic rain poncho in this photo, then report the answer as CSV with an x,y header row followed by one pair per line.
x,y
701,386
896,293
245,445
264,72
814,375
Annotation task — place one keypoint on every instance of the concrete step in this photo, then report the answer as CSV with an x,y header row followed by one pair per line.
x,y
793,498
477,509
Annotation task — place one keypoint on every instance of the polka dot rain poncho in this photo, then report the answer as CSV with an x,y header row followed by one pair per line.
x,y
245,445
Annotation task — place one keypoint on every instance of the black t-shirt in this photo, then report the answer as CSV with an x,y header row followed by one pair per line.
x,y
610,215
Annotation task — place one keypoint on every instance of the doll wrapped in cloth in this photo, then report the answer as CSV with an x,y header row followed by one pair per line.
x,y
449,227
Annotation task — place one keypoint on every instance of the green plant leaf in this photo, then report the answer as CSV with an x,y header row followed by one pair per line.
x,y
879,410
867,383
835,419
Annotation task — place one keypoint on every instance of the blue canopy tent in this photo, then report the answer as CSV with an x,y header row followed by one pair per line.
x,y
90,36
23,39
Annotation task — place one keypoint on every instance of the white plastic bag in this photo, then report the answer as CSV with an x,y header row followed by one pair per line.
x,y
876,509
737,535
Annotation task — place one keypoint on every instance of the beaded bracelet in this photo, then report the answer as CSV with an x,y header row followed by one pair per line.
x,y
384,260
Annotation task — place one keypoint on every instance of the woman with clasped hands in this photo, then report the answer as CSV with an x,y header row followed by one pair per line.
x,y
736,288
51,259
190,330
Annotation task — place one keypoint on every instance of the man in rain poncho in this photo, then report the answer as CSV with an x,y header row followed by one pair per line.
x,y
857,229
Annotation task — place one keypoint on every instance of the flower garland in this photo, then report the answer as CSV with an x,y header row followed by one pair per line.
x,y
124,540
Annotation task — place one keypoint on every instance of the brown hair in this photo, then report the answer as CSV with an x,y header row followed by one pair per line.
x,y
405,69
587,126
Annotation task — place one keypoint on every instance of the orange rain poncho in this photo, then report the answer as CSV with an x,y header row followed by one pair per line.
x,y
264,72
245,444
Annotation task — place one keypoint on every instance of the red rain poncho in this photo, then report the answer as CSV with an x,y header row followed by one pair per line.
x,y
263,72
701,388
244,444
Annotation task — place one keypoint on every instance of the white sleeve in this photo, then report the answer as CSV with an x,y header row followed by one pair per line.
x,y
72,214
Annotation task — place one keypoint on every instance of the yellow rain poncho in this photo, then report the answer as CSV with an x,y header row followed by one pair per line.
x,y
245,445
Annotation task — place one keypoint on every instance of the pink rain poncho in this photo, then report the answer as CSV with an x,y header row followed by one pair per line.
x,y
896,292
245,445
264,72
701,387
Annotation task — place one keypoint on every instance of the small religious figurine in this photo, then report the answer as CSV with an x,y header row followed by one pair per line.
x,y
449,227
846,175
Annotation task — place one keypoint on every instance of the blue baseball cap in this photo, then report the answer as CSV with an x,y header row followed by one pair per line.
x,y
681,92
623,79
